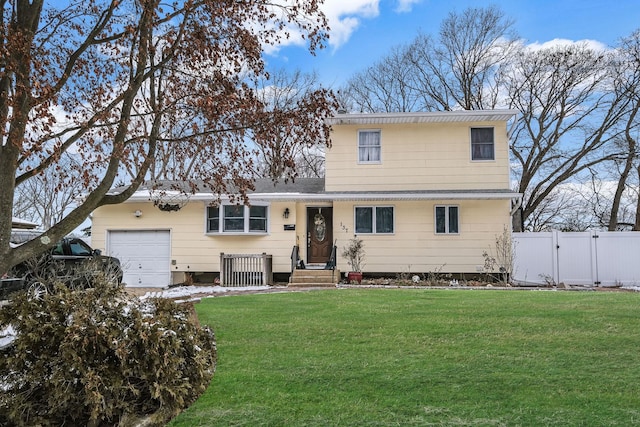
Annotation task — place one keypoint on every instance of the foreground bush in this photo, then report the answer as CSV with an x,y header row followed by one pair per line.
x,y
100,357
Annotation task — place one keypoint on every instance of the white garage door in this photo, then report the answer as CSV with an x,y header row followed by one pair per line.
x,y
145,256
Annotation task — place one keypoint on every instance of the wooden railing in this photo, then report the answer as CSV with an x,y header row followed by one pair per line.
x,y
246,269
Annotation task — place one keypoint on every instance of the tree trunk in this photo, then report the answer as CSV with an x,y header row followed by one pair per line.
x,y
622,183
636,226
517,221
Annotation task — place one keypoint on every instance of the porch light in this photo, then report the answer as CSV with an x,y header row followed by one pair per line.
x,y
285,214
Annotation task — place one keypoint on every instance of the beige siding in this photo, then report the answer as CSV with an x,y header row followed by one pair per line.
x,y
191,248
432,156
415,247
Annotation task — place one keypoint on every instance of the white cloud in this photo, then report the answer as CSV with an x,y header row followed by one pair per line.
x,y
591,44
405,6
345,17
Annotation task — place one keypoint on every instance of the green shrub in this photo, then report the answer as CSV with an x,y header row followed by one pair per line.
x,y
100,357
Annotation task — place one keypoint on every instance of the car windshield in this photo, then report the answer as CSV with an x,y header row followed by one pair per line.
x,y
79,248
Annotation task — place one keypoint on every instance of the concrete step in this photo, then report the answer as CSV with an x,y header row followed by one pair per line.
x,y
309,277
312,285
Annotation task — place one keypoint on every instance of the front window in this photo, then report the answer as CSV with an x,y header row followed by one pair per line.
x,y
447,220
374,220
213,219
237,219
369,146
233,219
482,144
258,218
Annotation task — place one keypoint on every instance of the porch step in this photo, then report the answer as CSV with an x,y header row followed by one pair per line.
x,y
314,278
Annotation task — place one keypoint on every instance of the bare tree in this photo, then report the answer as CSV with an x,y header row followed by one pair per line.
x,y
462,70
636,225
46,198
291,154
121,82
386,86
568,118
569,207
626,84
614,220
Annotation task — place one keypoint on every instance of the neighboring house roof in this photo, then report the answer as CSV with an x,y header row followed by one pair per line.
x,y
22,223
424,117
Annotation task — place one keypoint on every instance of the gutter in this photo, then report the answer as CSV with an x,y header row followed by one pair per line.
x,y
351,196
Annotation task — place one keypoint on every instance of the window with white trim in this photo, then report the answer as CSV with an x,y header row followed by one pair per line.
x,y
374,219
482,144
369,146
447,219
237,219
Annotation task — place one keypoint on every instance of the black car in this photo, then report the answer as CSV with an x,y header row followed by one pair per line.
x,y
75,254
71,261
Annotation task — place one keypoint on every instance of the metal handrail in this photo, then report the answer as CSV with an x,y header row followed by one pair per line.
x,y
295,257
331,264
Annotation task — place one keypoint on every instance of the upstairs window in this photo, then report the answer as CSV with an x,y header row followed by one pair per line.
x,y
369,147
447,220
482,144
237,219
374,220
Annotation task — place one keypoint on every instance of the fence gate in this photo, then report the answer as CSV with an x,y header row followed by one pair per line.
x,y
576,256
591,258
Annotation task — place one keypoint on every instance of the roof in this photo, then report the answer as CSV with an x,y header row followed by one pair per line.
x,y
424,117
22,223
263,185
312,189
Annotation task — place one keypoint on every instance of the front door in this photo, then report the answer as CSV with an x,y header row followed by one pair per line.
x,y
319,235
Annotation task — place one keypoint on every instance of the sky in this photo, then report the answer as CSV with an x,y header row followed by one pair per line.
x,y
363,31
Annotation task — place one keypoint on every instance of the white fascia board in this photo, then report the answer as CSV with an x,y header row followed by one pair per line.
x,y
328,197
428,196
423,117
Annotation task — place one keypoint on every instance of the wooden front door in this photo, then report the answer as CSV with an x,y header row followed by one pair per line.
x,y
319,235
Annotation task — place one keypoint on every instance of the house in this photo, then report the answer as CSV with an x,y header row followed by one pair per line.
x,y
424,191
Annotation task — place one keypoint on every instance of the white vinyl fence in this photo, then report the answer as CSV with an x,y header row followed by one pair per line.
x,y
590,258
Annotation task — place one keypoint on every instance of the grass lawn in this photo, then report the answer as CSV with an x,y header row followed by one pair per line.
x,y
423,357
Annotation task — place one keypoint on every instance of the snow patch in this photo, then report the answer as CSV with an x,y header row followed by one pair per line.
x,y
187,291
7,336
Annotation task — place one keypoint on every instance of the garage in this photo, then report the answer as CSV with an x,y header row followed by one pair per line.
x,y
144,254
